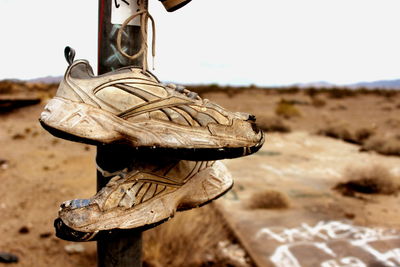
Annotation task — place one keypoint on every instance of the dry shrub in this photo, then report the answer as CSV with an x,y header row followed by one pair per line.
x,y
229,91
272,124
393,123
339,93
312,91
386,108
287,110
341,131
6,87
385,145
338,131
295,102
288,90
268,199
375,179
189,239
339,107
318,102
231,255
363,134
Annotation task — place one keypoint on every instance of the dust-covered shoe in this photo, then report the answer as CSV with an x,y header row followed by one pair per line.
x,y
131,106
147,196
172,5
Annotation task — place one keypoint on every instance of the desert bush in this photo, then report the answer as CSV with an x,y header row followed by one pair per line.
x,y
42,87
318,102
272,124
230,255
288,90
338,131
339,107
393,122
341,131
295,102
375,179
363,134
339,93
385,145
268,199
189,239
388,94
211,88
311,91
230,91
286,110
386,108
6,87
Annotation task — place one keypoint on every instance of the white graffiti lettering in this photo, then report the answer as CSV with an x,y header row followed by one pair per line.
x,y
332,230
320,235
345,262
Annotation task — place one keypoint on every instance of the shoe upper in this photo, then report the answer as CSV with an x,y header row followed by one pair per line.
x,y
139,186
135,95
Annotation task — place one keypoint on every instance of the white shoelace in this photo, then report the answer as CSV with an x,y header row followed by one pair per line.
x,y
144,17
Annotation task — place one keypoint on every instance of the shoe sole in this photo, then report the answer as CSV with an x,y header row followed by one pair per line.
x,y
84,123
162,208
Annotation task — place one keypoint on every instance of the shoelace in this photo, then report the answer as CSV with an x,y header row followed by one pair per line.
x,y
144,17
181,89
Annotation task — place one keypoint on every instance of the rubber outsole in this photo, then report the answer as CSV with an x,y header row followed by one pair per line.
x,y
197,154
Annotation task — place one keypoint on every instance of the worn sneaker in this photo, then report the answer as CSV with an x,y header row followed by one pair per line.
x,y
172,5
147,196
131,106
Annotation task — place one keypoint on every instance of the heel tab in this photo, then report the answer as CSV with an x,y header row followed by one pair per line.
x,y
69,54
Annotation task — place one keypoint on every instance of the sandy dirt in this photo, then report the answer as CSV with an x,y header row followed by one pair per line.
x,y
40,171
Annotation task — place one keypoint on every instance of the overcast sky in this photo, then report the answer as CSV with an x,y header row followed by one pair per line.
x,y
262,42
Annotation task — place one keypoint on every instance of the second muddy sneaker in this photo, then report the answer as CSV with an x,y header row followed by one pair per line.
x,y
132,107
146,196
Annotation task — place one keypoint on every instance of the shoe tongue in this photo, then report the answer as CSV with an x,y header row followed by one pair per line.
x,y
81,69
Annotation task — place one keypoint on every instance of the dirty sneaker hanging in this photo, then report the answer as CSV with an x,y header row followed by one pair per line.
x,y
146,196
131,106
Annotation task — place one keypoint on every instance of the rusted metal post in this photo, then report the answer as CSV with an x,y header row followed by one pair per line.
x,y
122,249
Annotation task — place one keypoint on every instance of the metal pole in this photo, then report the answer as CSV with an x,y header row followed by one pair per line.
x,y
122,249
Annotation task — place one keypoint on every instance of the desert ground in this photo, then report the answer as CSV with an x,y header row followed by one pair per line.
x,y
322,191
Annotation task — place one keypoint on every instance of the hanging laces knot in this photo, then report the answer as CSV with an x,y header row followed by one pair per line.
x,y
144,17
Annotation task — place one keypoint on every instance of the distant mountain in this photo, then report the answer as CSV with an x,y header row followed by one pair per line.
x,y
383,84
47,79
320,84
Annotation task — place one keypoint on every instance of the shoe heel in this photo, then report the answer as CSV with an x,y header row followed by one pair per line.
x,y
76,121
206,186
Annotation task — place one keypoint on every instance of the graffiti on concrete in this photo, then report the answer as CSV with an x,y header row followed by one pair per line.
x,y
330,240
